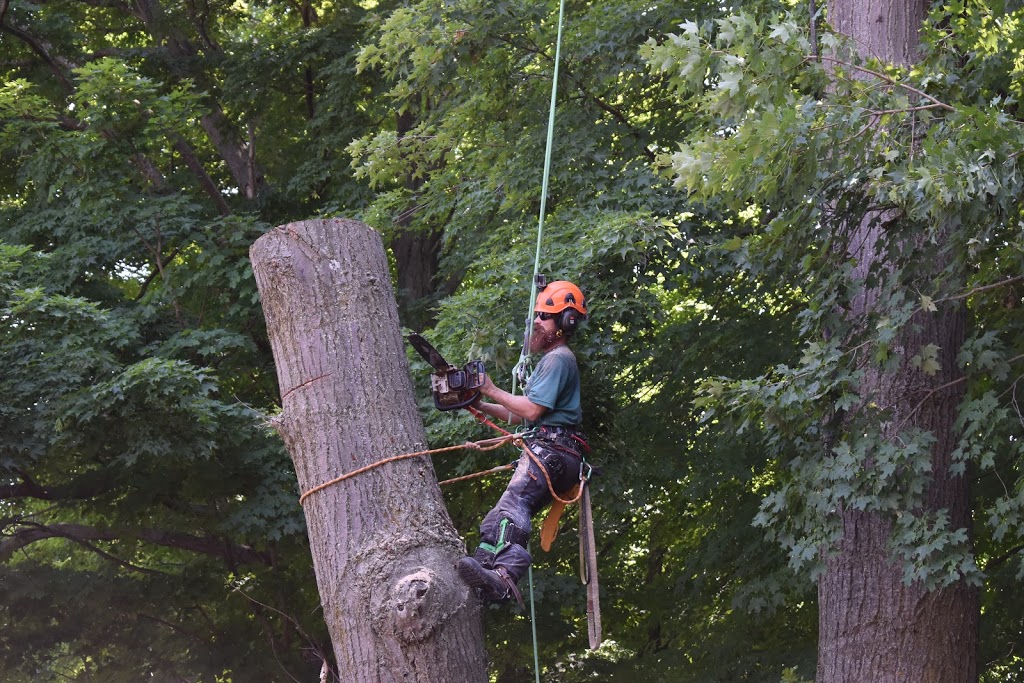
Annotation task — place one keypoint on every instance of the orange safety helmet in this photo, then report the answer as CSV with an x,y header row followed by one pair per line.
x,y
566,301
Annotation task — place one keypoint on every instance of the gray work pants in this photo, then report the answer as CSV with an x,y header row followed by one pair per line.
x,y
505,531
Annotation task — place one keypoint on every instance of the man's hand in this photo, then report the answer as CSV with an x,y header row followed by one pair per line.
x,y
488,386
515,406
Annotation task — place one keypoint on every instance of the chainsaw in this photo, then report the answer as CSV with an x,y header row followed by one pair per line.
x,y
453,387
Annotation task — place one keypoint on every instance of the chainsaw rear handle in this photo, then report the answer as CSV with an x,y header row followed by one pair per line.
x,y
474,396
457,388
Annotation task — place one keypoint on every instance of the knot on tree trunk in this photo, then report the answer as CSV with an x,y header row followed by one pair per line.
x,y
412,606
414,592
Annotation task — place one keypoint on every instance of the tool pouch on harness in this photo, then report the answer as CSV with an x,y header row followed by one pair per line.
x,y
561,449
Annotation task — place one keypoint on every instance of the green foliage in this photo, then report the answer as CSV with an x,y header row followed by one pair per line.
x,y
143,154
148,517
132,448
811,148
680,579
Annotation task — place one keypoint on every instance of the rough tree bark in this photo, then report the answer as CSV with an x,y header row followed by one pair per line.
x,y
382,543
872,627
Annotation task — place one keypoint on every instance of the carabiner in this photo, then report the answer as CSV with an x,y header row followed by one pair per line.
x,y
590,470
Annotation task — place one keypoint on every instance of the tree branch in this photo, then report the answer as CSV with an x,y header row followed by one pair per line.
x,y
1008,555
937,389
144,287
37,532
983,288
883,77
150,171
619,116
234,152
174,627
927,396
58,66
114,4
75,490
188,155
533,48
26,489
204,545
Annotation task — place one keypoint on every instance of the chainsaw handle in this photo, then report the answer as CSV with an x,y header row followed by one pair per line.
x,y
473,398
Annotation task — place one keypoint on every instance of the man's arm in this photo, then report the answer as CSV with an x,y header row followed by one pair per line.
x,y
498,411
513,409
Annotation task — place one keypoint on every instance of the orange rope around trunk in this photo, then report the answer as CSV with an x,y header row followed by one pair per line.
x,y
484,445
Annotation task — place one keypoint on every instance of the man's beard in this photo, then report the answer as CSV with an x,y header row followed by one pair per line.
x,y
541,341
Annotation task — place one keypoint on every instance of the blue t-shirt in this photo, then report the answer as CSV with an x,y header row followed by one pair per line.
x,y
555,384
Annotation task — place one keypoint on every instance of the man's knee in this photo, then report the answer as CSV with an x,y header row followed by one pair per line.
x,y
504,528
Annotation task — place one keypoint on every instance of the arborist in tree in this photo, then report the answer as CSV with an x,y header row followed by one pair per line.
x,y
551,407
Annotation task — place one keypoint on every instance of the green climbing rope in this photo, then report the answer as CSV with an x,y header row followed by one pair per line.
x,y
543,197
521,366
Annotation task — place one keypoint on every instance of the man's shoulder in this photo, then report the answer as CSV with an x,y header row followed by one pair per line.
x,y
562,352
560,355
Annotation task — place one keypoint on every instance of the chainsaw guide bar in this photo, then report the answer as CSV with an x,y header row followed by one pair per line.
x,y
453,387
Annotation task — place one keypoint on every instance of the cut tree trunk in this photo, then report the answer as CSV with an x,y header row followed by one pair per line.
x,y
382,542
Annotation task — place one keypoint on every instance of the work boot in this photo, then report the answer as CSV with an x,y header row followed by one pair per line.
x,y
495,585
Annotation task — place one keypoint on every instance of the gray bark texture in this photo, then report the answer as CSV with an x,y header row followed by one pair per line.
x,y
382,543
873,627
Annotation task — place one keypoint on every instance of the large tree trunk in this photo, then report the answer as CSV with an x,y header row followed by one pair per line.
x,y
872,626
383,545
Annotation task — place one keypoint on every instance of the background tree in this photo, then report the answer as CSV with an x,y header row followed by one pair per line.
x,y
148,518
919,632
878,173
